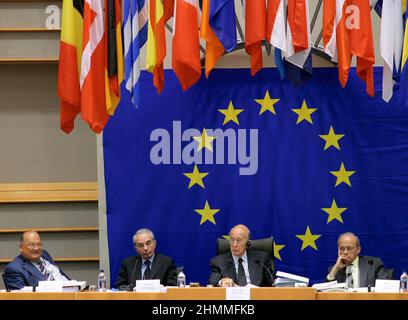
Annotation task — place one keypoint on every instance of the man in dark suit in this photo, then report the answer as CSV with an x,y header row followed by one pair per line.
x,y
353,269
32,265
147,265
240,266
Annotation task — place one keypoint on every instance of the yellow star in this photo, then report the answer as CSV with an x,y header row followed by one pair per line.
x,y
226,237
331,139
267,103
207,213
304,113
196,177
276,250
231,114
342,175
308,239
334,212
204,141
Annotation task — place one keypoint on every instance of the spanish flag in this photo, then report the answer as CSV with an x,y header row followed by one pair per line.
x,y
70,63
160,11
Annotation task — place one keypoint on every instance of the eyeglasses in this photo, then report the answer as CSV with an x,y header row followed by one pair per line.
x,y
342,249
32,246
141,245
236,241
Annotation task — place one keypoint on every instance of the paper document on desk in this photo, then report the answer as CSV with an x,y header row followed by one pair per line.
x,y
61,286
330,286
285,279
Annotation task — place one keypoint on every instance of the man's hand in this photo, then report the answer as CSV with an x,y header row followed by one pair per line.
x,y
227,282
340,263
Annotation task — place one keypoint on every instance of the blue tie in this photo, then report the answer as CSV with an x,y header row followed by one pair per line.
x,y
146,274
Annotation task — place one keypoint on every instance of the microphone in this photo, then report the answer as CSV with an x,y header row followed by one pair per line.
x,y
267,269
132,276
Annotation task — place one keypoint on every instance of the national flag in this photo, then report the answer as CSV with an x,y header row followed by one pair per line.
x,y
222,22
348,32
255,32
93,100
214,48
391,40
134,37
298,47
114,57
276,31
159,13
70,63
186,48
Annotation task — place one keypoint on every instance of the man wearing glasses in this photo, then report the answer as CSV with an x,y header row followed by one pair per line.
x,y
241,267
32,265
355,270
148,264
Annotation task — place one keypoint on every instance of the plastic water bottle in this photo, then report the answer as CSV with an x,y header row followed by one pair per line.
x,y
101,281
404,282
181,279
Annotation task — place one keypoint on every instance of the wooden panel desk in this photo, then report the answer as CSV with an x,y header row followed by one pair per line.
x,y
360,296
121,296
37,295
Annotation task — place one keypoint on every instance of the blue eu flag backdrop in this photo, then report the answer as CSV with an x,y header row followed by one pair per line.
x,y
301,164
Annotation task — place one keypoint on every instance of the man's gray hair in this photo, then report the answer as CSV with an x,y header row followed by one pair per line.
x,y
143,231
351,234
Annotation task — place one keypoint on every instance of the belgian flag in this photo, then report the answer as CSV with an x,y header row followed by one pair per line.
x,y
70,62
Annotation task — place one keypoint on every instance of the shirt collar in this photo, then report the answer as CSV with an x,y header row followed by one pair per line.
x,y
150,259
243,257
355,262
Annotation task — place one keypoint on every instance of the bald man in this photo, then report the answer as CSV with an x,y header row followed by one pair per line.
x,y
32,265
352,268
240,266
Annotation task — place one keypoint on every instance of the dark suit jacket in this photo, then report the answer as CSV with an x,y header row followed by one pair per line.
x,y
222,266
370,268
163,268
21,272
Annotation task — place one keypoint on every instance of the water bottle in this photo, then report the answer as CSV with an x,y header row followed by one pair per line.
x,y
404,282
101,281
181,279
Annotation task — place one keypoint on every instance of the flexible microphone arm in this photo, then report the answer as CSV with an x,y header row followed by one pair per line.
x,y
269,272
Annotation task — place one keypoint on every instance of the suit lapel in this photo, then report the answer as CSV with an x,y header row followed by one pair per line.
x,y
138,269
155,267
363,272
29,267
230,268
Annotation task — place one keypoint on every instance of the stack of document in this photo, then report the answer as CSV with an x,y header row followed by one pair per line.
x,y
60,286
332,286
285,279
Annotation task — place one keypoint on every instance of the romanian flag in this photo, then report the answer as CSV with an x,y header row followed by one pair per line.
x,y
214,48
93,100
255,32
186,47
159,13
70,63
222,22
353,37
114,57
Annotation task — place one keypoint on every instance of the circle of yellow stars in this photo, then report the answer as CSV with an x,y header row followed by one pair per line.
x,y
304,114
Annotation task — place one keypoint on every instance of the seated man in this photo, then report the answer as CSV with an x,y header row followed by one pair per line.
x,y
240,267
32,265
148,264
356,271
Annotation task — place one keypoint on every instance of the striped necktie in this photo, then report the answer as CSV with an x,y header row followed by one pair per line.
x,y
41,265
146,274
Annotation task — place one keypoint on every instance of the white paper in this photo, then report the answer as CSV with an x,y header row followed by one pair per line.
x,y
387,285
50,286
292,277
152,285
238,293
